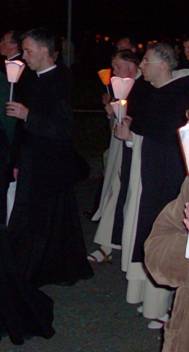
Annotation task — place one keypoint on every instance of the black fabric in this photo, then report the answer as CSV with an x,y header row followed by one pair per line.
x,y
158,112
24,310
157,115
162,177
125,176
81,167
44,228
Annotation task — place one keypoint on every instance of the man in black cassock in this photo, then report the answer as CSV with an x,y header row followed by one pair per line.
x,y
44,228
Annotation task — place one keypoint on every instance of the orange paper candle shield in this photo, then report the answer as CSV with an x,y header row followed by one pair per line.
x,y
105,75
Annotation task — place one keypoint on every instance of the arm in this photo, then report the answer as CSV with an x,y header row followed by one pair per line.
x,y
54,122
165,247
122,130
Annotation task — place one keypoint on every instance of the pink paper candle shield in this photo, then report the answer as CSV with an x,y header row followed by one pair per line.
x,y
122,86
14,70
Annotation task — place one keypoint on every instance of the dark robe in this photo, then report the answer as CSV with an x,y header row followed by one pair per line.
x,y
44,228
25,311
157,114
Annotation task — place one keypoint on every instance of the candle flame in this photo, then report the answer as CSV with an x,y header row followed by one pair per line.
x,y
123,102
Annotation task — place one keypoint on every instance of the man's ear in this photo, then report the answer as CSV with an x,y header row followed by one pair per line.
x,y
45,51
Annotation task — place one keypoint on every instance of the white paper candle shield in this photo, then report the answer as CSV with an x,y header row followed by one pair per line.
x,y
184,139
14,70
121,86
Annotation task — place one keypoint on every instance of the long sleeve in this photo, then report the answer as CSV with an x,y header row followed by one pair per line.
x,y
165,247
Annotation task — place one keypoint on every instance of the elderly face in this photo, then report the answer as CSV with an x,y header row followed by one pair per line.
x,y
121,68
151,65
35,54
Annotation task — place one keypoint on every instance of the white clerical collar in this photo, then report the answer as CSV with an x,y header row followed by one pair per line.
x,y
46,70
13,57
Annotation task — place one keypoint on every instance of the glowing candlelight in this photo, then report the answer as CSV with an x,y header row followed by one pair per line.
x,y
120,109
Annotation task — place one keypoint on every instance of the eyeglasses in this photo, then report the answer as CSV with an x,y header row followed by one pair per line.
x,y
146,61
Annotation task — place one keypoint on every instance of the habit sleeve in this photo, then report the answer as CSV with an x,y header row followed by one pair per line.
x,y
165,247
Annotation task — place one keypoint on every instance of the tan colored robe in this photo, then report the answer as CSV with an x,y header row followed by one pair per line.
x,y
165,259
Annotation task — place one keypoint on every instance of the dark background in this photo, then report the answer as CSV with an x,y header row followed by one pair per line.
x,y
141,20
111,17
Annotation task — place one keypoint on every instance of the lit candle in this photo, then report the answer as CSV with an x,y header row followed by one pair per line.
x,y
122,111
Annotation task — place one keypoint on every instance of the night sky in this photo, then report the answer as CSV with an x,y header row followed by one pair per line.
x,y
111,17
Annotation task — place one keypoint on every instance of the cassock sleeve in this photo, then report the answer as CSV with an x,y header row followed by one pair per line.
x,y
165,247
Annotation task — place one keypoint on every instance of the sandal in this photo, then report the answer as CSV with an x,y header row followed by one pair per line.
x,y
100,257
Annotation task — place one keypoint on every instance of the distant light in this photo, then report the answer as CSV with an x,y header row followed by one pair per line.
x,y
106,38
140,46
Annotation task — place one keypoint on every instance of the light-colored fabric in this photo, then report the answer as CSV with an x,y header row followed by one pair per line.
x,y
165,247
165,259
176,337
139,288
131,207
10,199
110,196
156,300
112,171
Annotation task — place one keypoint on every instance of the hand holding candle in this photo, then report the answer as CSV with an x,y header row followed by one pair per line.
x,y
122,130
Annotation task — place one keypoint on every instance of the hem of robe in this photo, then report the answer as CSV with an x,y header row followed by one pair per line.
x,y
156,300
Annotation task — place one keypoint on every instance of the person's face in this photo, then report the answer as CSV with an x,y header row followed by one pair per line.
x,y
151,65
35,54
120,67
7,46
186,49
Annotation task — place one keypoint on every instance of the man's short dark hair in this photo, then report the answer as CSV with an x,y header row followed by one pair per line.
x,y
44,36
127,55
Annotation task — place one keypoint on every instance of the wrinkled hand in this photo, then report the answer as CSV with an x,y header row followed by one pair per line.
x,y
17,110
122,130
186,212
